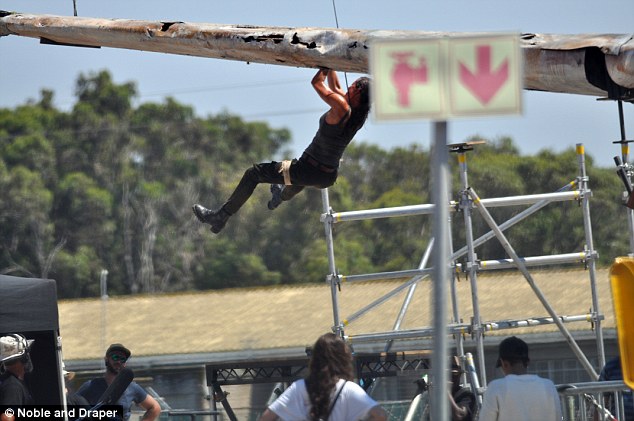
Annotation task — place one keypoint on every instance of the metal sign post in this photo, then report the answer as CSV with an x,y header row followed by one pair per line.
x,y
440,195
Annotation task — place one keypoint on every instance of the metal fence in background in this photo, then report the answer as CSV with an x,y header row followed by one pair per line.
x,y
588,401
594,401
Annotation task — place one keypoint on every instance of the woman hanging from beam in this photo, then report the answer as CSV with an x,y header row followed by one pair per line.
x,y
317,167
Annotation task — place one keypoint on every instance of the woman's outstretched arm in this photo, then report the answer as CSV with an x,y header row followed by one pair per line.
x,y
333,83
339,107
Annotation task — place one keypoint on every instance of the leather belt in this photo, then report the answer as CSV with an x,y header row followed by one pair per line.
x,y
321,167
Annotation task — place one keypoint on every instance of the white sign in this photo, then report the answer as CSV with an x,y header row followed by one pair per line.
x,y
446,77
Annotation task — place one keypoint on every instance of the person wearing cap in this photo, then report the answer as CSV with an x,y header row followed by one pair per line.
x,y
116,358
518,395
16,363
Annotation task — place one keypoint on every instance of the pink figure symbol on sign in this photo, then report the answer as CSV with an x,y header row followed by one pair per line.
x,y
404,75
484,83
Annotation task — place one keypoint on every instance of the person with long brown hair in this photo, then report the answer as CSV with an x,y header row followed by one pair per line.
x,y
329,392
318,165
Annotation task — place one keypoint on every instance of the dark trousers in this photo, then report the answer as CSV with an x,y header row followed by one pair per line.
x,y
302,174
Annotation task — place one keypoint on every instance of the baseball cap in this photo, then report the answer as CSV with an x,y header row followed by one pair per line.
x,y
120,348
513,350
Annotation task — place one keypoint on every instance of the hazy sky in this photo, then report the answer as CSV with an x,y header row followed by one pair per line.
x,y
283,96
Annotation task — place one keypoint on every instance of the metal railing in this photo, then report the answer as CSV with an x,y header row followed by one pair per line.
x,y
594,401
589,401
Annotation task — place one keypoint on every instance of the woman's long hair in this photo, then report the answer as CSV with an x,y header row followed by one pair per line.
x,y
330,361
360,112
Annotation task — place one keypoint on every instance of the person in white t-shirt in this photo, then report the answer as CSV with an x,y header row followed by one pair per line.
x,y
328,393
519,396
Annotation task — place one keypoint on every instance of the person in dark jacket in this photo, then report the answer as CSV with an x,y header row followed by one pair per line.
x,y
16,363
612,370
318,165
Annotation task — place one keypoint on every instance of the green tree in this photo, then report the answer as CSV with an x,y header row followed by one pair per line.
x,y
98,91
75,272
110,185
85,208
27,243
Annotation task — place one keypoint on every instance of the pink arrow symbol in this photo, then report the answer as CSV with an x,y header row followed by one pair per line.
x,y
484,84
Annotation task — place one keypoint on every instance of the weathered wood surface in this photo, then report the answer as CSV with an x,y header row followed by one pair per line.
x,y
587,64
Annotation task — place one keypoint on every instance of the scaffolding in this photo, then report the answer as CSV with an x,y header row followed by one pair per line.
x,y
375,365
467,203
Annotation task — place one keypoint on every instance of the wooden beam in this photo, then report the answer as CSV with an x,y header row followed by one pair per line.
x,y
587,64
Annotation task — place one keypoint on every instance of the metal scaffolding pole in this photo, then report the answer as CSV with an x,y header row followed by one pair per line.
x,y
385,275
382,299
428,209
455,305
332,278
590,252
466,205
466,329
440,195
535,321
555,259
625,158
410,294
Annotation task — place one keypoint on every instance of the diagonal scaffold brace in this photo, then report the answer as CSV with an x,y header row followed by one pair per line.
x,y
523,269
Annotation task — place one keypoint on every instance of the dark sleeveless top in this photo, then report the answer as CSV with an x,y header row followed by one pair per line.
x,y
330,141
